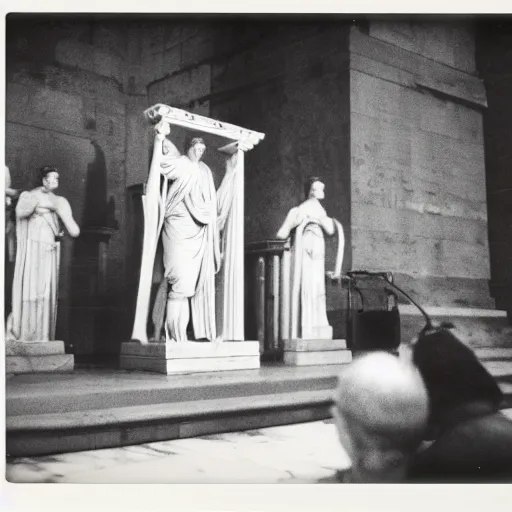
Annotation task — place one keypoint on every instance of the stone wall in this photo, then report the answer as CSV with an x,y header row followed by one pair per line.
x,y
66,107
417,153
290,81
389,115
495,65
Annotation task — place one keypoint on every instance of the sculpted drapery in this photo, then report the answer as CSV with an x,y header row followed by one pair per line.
x,y
200,229
39,214
307,224
195,214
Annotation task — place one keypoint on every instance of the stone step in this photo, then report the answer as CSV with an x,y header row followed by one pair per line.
x,y
44,434
34,348
506,387
87,390
38,434
40,363
37,357
478,328
302,345
90,410
498,368
491,353
325,357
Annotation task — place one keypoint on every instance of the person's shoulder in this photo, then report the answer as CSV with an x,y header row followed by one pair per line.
x,y
60,201
28,194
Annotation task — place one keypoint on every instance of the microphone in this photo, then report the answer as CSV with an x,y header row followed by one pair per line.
x,y
429,324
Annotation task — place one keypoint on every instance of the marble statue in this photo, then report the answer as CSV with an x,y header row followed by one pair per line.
x,y
307,225
40,213
194,215
193,233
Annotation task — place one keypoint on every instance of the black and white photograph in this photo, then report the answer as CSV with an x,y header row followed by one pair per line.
x,y
258,248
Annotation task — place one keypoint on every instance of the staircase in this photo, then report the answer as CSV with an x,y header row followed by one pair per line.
x,y
90,410
98,409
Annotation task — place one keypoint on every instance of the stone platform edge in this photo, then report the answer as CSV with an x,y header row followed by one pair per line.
x,y
37,357
305,352
190,357
305,345
410,310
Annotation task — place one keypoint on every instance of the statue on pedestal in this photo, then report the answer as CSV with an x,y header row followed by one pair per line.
x,y
200,231
40,213
307,224
194,215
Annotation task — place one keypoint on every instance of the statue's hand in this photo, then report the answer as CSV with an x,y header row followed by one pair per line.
x,y
332,276
162,128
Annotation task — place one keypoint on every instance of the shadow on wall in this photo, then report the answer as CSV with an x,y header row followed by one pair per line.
x,y
96,189
91,324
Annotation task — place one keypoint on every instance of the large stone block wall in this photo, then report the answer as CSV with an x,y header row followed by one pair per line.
x,y
388,114
66,107
273,78
288,80
417,152
292,84
495,65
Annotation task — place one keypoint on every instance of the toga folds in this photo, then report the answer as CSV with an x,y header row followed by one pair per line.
x,y
36,273
194,215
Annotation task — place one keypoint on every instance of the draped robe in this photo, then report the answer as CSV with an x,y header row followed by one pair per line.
x,y
195,213
36,273
309,269
308,295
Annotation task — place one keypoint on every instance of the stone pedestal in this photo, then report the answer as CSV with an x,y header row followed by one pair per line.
x,y
323,332
301,352
190,357
37,357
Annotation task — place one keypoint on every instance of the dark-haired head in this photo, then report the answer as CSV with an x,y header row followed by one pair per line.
x,y
309,183
452,373
191,141
44,171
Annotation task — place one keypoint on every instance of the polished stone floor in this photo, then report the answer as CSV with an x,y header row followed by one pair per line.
x,y
300,453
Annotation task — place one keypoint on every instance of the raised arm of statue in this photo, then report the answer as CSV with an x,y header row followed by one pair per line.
x,y
66,215
167,153
171,158
27,204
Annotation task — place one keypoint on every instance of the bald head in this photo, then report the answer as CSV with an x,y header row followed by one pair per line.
x,y
385,396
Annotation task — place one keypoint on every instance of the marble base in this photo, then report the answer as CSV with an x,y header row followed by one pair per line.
x,y
37,357
301,352
300,345
323,332
190,357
